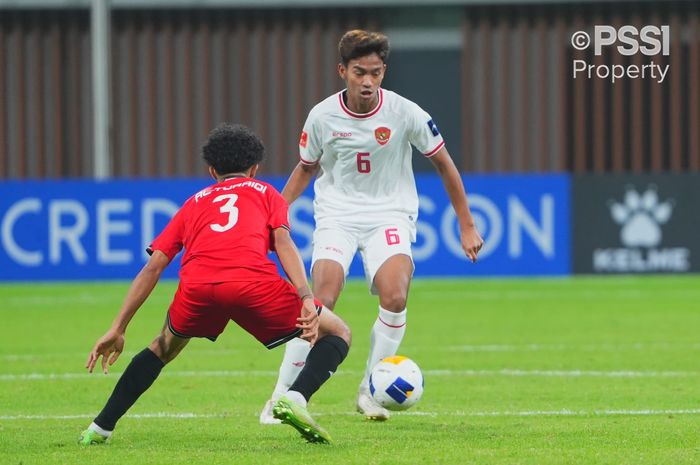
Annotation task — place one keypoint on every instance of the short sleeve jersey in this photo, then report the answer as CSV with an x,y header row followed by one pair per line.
x,y
365,159
226,232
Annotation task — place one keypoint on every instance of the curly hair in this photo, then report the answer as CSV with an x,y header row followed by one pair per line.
x,y
232,148
358,43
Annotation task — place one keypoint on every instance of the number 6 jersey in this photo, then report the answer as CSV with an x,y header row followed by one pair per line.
x,y
365,159
226,230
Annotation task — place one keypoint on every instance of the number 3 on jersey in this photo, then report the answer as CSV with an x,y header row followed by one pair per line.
x,y
229,208
363,165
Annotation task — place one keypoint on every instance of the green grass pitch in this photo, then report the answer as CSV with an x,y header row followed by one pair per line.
x,y
531,371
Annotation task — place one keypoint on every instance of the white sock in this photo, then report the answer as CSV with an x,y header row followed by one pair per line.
x,y
103,432
296,396
385,339
295,353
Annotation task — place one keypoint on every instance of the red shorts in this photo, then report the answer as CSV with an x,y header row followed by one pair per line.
x,y
268,310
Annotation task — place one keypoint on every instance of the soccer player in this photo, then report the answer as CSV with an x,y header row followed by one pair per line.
x,y
226,230
359,141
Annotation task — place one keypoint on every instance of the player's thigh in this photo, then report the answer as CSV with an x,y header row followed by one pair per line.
x,y
328,279
333,250
268,310
387,259
392,282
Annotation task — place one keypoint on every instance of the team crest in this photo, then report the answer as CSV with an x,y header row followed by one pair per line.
x,y
382,135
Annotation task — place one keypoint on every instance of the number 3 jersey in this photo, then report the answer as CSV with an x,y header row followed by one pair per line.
x,y
226,232
365,159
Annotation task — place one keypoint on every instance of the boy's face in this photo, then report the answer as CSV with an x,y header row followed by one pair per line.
x,y
362,77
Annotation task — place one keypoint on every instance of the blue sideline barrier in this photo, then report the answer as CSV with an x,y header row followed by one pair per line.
x,y
83,230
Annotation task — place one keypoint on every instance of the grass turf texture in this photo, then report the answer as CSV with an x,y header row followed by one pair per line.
x,y
580,370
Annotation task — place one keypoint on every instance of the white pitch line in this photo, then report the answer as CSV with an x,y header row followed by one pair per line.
x,y
88,415
565,412
571,347
98,374
594,295
507,413
474,373
564,373
532,347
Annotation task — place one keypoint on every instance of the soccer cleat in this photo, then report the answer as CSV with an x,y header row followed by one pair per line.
x,y
266,416
368,407
298,417
91,438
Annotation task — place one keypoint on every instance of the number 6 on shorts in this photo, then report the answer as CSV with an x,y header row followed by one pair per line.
x,y
392,236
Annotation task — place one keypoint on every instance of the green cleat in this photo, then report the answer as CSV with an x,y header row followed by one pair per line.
x,y
298,417
91,438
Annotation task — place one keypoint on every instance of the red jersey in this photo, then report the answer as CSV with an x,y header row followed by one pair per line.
x,y
226,230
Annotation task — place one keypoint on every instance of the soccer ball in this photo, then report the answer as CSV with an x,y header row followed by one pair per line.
x,y
396,383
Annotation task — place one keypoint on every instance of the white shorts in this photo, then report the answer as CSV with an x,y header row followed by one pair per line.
x,y
376,243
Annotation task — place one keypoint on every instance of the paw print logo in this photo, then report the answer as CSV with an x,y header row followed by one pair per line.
x,y
641,216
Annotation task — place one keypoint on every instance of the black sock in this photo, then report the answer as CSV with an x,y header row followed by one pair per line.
x,y
138,376
321,363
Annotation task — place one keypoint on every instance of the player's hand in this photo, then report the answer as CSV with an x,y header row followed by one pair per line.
x,y
109,347
308,321
471,242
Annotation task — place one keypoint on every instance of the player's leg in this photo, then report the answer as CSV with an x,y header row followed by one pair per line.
x,y
328,280
138,376
328,277
330,350
189,315
389,268
295,353
325,356
333,251
392,282
269,311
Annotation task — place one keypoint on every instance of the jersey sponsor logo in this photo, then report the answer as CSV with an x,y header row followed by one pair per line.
x,y
334,249
304,139
342,134
382,134
433,128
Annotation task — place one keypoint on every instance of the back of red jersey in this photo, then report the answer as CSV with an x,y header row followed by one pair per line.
x,y
225,230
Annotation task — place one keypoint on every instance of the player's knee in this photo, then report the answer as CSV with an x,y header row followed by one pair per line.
x,y
345,333
337,327
393,301
328,300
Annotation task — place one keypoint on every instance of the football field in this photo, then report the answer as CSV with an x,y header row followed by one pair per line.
x,y
522,371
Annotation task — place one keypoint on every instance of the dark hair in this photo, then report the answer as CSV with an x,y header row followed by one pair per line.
x,y
358,43
232,148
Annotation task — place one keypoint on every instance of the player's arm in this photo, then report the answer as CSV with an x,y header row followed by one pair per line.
x,y
294,268
470,237
112,343
299,180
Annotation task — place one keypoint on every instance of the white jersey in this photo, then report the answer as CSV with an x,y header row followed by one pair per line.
x,y
365,159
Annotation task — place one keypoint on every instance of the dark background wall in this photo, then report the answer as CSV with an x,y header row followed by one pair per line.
x,y
503,96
